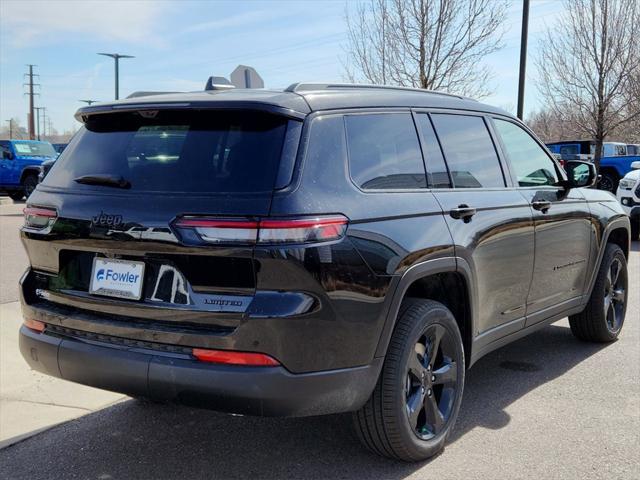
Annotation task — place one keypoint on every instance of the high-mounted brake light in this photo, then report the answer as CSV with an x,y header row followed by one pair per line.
x,y
266,231
39,218
228,357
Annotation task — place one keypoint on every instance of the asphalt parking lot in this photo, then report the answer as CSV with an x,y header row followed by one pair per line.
x,y
547,406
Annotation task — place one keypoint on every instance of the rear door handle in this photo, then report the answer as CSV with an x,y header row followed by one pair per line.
x,y
464,212
542,205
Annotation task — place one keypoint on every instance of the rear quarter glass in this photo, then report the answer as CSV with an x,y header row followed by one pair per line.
x,y
176,151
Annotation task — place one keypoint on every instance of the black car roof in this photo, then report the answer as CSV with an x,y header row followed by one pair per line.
x,y
298,100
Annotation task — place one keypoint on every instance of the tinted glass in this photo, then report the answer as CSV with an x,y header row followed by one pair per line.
x,y
569,150
469,151
437,174
532,165
384,152
177,151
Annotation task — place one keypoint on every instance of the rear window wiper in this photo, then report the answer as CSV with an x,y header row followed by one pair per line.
x,y
104,180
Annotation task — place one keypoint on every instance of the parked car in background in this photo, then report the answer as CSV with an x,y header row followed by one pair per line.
x,y
614,164
633,149
44,169
59,147
628,194
20,165
317,250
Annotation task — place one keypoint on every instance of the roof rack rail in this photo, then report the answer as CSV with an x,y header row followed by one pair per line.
x,y
309,86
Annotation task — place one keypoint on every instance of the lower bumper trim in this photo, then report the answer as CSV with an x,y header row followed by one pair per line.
x,y
265,391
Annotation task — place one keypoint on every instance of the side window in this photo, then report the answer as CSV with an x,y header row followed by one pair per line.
x,y
5,151
469,151
569,150
384,152
437,174
532,165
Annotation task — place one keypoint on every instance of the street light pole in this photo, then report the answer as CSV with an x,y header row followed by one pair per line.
x,y
523,56
116,57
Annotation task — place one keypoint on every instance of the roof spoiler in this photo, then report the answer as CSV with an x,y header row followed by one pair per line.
x,y
148,94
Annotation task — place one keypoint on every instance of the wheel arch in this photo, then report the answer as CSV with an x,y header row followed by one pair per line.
x,y
617,232
446,280
34,170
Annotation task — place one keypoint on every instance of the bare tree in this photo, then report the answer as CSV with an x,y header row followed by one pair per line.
x,y
587,62
432,44
550,128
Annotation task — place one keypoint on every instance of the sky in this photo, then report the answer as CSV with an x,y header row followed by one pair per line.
x,y
179,44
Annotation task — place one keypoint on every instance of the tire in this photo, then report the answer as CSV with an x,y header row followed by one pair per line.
x,y
30,183
635,228
383,423
608,181
16,195
602,319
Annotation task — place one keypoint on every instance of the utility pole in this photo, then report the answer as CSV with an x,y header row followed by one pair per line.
x,y
32,130
88,102
10,128
523,56
116,57
44,124
37,109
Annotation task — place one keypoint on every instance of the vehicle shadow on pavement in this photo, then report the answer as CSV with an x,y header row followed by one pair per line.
x,y
141,440
505,375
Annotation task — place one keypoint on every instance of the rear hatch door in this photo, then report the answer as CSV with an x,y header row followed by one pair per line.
x,y
120,185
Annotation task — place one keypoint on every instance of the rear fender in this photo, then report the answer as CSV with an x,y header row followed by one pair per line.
x,y
422,270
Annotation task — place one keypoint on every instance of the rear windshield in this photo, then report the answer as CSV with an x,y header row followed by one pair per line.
x,y
176,151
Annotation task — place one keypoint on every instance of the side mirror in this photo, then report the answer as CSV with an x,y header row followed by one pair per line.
x,y
9,156
580,174
635,165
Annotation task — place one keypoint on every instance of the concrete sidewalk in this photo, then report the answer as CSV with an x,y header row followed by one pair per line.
x,y
29,401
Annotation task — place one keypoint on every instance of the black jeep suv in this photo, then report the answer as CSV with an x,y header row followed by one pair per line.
x,y
322,249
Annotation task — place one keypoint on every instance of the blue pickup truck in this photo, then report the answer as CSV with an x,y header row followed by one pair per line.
x,y
615,162
20,165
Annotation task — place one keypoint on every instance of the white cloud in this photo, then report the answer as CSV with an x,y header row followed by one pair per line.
x,y
28,21
234,21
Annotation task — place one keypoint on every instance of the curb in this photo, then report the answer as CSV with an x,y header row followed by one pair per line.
x,y
8,442
6,201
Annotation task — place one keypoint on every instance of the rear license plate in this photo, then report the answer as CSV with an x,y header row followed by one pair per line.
x,y
117,278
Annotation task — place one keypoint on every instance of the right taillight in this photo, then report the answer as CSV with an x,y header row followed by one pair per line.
x,y
266,231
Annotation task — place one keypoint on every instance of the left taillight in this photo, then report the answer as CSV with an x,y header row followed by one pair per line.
x,y
265,231
34,325
39,218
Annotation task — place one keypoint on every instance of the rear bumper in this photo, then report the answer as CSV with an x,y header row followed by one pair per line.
x,y
268,391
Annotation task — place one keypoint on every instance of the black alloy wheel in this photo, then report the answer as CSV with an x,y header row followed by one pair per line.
x,y
615,295
603,317
415,403
431,385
